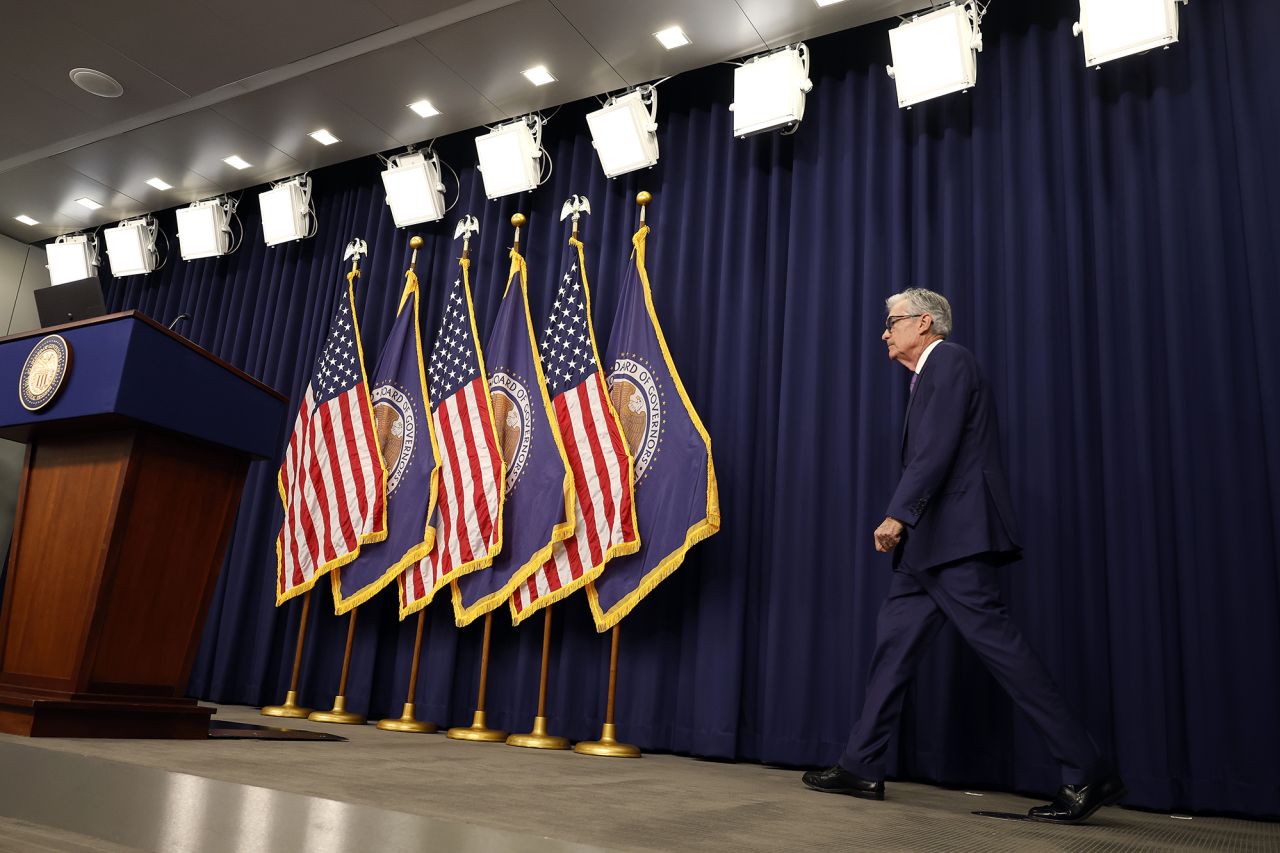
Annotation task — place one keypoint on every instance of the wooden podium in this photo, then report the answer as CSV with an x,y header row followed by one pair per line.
x,y
132,478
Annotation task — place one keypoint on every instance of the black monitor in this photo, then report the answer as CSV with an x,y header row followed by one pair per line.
x,y
66,303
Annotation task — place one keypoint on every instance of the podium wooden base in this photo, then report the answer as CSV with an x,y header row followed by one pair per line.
x,y
39,716
129,492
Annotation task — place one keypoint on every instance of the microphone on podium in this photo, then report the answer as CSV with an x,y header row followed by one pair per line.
x,y
177,320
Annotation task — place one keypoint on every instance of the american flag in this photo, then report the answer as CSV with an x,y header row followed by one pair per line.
x,y
332,482
605,522
468,514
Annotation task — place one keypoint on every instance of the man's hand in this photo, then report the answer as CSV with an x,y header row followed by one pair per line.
x,y
888,535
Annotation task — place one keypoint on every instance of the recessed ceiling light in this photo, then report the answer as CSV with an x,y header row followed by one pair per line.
x,y
88,202
424,108
96,83
323,136
26,220
671,37
235,161
828,2
159,184
539,75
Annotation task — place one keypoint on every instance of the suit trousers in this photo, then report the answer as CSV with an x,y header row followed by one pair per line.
x,y
967,593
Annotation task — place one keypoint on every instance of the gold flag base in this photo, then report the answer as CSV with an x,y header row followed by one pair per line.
x,y
478,731
407,723
290,708
538,738
607,746
339,714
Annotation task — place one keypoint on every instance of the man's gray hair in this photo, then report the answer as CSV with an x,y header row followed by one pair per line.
x,y
922,301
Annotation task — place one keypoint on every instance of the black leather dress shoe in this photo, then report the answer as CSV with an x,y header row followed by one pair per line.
x,y
1075,803
837,780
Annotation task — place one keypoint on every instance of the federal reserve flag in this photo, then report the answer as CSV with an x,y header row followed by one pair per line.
x,y
539,506
332,481
467,520
605,517
400,406
677,504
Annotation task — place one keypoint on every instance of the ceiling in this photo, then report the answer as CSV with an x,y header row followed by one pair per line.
x,y
204,80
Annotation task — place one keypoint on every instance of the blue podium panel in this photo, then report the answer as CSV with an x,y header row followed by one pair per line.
x,y
128,367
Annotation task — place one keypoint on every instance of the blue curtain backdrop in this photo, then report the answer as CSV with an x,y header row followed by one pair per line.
x,y
1108,240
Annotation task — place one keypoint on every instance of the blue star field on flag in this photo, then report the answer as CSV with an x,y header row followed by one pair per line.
x,y
567,357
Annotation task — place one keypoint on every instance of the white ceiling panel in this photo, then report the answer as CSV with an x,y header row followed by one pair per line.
x,y
199,141
44,118
781,22
198,47
27,190
208,78
284,115
717,30
379,86
126,165
407,11
44,64
490,52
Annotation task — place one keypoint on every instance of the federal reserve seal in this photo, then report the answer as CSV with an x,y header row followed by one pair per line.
x,y
513,417
393,418
637,399
43,372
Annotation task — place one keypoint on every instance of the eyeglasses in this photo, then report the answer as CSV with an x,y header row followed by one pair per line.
x,y
893,318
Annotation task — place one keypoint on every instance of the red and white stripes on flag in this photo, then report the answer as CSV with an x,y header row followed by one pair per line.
x,y
332,482
468,514
605,519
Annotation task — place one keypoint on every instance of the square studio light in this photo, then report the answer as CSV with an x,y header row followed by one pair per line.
x,y
131,246
934,54
671,38
71,258
511,157
204,229
424,108
286,211
769,90
539,75
1115,28
624,133
414,190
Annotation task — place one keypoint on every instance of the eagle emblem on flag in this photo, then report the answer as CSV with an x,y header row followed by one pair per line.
x,y
638,401
397,430
514,420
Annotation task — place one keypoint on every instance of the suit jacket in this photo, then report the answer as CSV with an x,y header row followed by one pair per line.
x,y
953,495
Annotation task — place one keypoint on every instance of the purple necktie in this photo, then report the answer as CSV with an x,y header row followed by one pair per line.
x,y
915,377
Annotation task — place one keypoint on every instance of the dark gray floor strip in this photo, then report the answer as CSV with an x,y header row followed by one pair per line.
x,y
160,810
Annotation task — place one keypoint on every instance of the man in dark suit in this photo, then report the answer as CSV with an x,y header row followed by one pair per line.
x,y
950,525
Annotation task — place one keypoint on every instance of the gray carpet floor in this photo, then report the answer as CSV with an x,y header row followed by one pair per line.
x,y
656,803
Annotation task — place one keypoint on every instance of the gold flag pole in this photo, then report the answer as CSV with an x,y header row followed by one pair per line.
x,y
407,722
518,221
608,744
340,714
290,708
478,731
538,738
